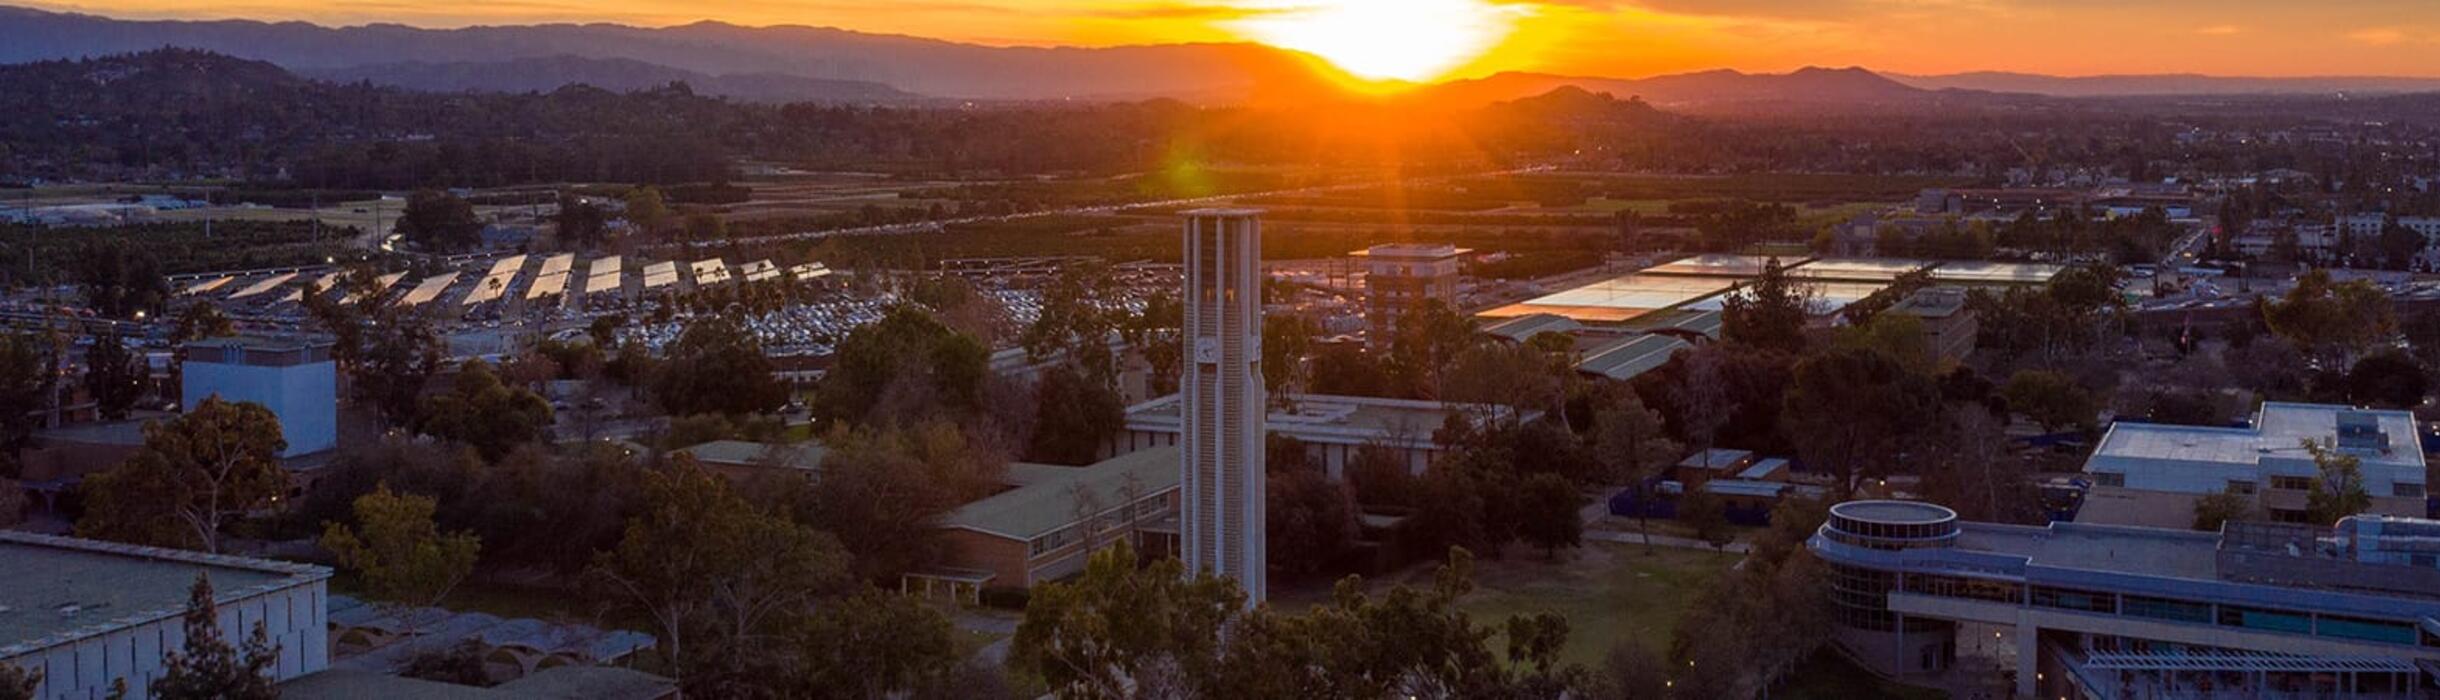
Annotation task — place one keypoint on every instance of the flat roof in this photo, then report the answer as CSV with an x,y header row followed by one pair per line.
x,y
1763,467
1411,250
2279,431
1858,269
2142,550
56,590
1715,458
805,456
1933,302
1724,265
1894,512
1707,323
1996,272
1332,418
1621,298
1047,499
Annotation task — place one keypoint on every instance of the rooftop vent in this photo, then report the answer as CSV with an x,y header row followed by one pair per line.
x,y
2361,430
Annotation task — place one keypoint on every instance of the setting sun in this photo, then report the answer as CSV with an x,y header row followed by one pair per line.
x,y
1383,39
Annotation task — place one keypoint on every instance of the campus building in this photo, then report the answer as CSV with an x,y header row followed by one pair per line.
x,y
1221,453
295,379
2170,465
2070,610
1334,429
1399,277
1948,326
1051,519
88,614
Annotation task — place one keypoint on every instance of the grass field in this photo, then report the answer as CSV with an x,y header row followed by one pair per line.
x,y
1610,594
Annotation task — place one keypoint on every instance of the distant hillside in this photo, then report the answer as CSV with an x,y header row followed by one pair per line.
x,y
2165,84
1725,90
924,66
616,74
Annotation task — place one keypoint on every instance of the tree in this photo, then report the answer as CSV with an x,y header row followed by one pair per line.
x,y
1287,340
647,210
2399,245
1551,513
2388,379
1347,371
1768,312
1703,511
461,663
1850,411
209,668
2339,490
1504,374
1309,521
1125,631
113,376
397,357
396,551
716,366
120,279
872,645
1633,448
440,222
482,412
18,682
713,572
1073,323
1073,415
26,384
1427,341
1630,671
218,461
883,492
579,223
1156,333
2212,511
2051,399
2332,320
905,368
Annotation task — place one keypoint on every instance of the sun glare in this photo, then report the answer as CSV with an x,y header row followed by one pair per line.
x,y
1383,39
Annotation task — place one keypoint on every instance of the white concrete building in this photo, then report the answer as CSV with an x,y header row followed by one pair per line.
x,y
295,379
1221,460
2268,460
87,614
1333,428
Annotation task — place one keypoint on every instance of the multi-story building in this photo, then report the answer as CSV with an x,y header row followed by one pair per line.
x,y
2267,460
1221,457
2070,610
1398,277
88,614
1334,429
2370,225
1948,326
296,379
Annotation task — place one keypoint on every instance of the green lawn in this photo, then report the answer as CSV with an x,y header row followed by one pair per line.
x,y
1609,593
1605,205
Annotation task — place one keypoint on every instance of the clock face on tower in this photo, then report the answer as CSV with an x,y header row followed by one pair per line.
x,y
1207,350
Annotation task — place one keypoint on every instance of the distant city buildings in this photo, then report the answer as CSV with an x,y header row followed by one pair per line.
x,y
1400,277
2259,610
88,614
1221,455
295,379
2170,465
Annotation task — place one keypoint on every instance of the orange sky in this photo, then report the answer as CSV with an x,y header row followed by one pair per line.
x,y
1623,38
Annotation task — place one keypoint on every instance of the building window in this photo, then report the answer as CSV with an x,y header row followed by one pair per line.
x,y
2367,630
2241,487
2406,490
2167,609
2292,483
2260,619
2069,599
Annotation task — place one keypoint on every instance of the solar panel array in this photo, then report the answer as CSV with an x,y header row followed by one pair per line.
x,y
429,289
1620,298
809,271
709,272
660,274
264,285
208,285
603,275
495,283
759,270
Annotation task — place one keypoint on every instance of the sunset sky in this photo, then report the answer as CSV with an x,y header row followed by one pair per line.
x,y
1424,39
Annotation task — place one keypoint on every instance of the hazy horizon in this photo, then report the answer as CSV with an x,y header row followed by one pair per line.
x,y
1439,40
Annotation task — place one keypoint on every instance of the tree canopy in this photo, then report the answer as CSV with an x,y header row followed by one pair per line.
x,y
190,477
